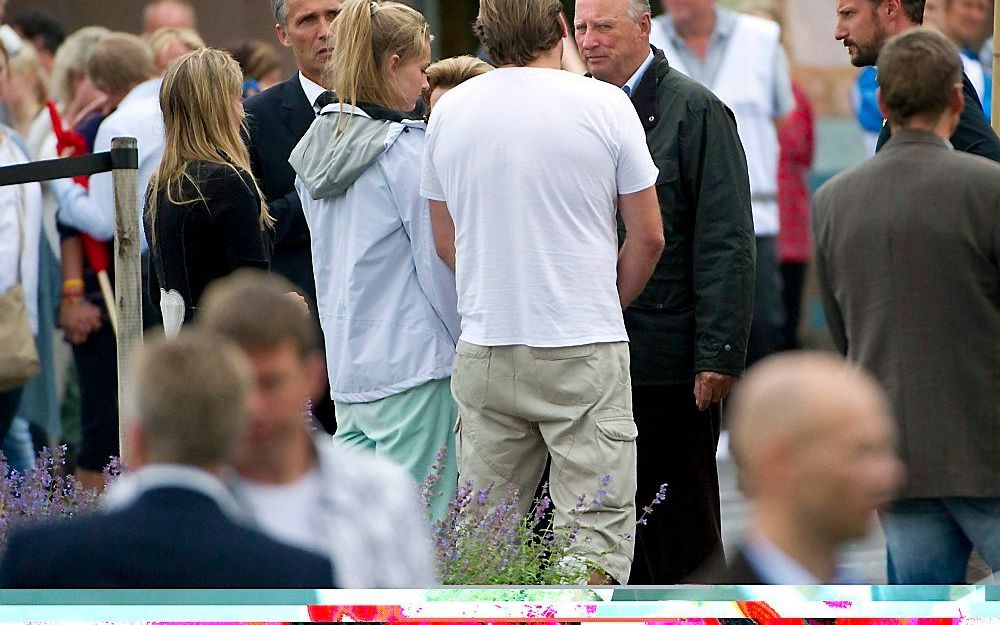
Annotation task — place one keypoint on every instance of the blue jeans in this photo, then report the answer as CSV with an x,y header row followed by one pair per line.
x,y
929,541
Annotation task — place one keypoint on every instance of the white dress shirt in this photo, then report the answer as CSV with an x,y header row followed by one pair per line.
x,y
139,116
313,91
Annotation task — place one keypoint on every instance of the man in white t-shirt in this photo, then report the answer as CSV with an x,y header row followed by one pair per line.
x,y
304,489
525,168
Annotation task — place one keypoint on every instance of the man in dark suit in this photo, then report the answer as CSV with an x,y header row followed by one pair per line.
x,y
276,120
813,441
865,25
908,263
689,328
171,523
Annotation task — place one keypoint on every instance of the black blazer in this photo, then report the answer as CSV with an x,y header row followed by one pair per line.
x,y
276,121
169,538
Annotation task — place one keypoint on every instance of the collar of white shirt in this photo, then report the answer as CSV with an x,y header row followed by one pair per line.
x,y
774,566
124,491
633,82
312,90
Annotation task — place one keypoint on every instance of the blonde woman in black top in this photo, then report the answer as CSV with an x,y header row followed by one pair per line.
x,y
204,214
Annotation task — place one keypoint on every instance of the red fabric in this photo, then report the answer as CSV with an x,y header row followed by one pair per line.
x,y
798,144
72,143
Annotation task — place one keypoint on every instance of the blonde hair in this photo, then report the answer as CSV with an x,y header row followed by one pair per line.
x,y
516,31
167,36
71,61
368,33
200,123
449,73
119,62
25,63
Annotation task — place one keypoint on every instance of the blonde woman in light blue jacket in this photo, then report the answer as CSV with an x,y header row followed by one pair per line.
x,y
387,303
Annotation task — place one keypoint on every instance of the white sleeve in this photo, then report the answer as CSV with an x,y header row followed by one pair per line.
x,y
430,183
32,194
91,212
636,170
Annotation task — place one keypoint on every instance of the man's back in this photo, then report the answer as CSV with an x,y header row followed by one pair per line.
x,y
908,249
169,538
534,204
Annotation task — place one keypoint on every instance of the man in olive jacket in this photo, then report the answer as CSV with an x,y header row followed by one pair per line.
x,y
688,330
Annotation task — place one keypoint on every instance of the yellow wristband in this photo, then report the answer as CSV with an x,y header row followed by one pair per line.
x,y
73,282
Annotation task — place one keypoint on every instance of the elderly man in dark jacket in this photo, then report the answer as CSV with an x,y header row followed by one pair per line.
x,y
689,328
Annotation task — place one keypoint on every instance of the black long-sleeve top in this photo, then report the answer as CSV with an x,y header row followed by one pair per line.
x,y
200,241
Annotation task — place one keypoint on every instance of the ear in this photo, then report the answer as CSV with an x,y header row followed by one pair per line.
x,y
563,26
958,99
279,30
393,63
882,108
138,447
893,8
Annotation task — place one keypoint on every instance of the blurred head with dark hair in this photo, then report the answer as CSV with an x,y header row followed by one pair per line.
x,y
260,63
43,32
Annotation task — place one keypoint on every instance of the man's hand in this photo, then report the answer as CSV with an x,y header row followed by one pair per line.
x,y
711,388
78,320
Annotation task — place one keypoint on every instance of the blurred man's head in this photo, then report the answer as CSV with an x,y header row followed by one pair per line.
x,y
813,441
865,25
517,32
167,14
613,37
189,401
279,338
934,14
43,32
305,27
170,44
965,21
684,12
920,81
118,63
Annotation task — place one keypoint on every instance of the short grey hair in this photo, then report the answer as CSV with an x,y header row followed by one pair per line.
x,y
638,8
189,397
280,10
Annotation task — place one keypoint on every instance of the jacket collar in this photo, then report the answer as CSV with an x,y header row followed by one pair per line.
x,y
910,137
129,488
645,99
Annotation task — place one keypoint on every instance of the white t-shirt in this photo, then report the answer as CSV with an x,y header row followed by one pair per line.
x,y
531,163
288,512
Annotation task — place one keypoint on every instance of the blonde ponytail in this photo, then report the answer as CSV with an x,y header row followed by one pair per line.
x,y
367,34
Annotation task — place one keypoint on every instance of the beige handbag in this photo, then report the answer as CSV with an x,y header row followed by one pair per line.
x,y
18,354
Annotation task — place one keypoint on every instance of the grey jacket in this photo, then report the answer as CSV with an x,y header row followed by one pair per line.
x,y
908,257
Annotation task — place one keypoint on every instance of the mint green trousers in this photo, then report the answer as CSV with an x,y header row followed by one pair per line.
x,y
410,429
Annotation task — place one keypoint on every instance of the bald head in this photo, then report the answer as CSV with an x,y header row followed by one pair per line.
x,y
813,437
167,14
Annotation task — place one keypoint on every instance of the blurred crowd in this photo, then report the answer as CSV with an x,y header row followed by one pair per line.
x,y
550,264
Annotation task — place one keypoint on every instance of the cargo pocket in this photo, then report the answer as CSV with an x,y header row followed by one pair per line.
x,y
469,379
568,376
616,436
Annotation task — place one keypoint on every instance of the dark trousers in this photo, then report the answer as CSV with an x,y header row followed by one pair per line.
x,y
676,446
793,277
768,306
9,401
97,369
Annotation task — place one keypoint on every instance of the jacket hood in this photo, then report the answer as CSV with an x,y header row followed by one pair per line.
x,y
329,160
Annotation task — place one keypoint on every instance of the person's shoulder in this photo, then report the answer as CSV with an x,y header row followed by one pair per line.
x,y
270,98
221,177
974,170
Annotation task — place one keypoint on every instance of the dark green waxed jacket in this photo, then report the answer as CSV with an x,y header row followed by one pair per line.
x,y
694,314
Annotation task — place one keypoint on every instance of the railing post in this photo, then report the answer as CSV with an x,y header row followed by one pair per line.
x,y
996,67
128,271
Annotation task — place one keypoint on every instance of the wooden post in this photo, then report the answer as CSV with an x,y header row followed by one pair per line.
x,y
996,67
128,271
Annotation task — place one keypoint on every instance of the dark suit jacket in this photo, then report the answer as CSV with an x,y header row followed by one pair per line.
x,y
973,135
276,120
908,263
169,538
694,314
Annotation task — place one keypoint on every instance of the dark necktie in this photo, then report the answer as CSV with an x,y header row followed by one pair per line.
x,y
327,97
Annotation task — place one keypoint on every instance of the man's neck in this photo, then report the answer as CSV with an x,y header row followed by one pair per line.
x,y
550,59
798,543
943,127
282,464
311,75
